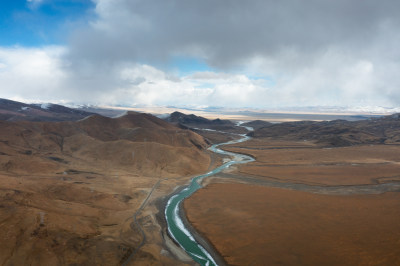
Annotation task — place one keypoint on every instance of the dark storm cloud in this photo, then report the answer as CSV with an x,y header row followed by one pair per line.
x,y
226,32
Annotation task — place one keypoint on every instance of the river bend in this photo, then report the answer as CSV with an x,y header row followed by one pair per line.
x,y
176,227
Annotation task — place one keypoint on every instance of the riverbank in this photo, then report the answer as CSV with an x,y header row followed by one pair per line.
x,y
171,245
176,225
161,243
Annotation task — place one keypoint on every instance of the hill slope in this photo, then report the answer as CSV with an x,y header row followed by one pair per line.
x,y
139,142
194,121
257,124
384,130
69,190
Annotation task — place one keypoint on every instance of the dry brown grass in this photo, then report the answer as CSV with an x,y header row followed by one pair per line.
x,y
254,225
69,190
305,162
80,218
54,220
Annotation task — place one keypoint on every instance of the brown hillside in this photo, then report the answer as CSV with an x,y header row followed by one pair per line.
x,y
144,140
384,130
193,121
69,190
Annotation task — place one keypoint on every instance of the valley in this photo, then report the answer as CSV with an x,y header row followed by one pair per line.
x,y
306,200
211,133
93,190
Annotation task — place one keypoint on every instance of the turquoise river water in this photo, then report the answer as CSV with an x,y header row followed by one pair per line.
x,y
176,227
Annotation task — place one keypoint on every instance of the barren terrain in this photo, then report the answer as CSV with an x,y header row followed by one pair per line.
x,y
255,225
301,203
69,191
93,191
306,162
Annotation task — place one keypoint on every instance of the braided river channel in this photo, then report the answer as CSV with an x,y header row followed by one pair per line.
x,y
176,227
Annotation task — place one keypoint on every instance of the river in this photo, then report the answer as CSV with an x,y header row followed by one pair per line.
x,y
176,227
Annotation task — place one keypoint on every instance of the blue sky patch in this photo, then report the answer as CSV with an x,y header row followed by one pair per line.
x,y
188,65
27,23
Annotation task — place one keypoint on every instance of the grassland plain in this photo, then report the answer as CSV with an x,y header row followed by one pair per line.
x,y
301,203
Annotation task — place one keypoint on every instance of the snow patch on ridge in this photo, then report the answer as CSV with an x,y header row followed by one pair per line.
x,y
45,106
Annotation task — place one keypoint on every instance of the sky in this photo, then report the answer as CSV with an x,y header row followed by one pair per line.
x,y
196,53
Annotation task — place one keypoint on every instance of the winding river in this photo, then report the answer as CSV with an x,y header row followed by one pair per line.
x,y
176,227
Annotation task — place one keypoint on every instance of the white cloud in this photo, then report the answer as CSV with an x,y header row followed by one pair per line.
x,y
40,74
156,87
265,54
32,73
334,79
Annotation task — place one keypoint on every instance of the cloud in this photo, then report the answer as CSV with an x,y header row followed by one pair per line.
x,y
32,73
314,51
41,74
230,31
262,53
145,85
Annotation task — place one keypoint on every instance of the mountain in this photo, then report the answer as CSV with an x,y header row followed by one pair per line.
x,y
17,111
383,130
137,142
69,190
178,117
256,124
197,122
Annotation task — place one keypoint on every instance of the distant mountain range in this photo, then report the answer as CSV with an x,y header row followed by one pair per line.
x,y
17,111
382,130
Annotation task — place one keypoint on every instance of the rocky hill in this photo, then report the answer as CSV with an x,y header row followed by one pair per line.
x,y
383,130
